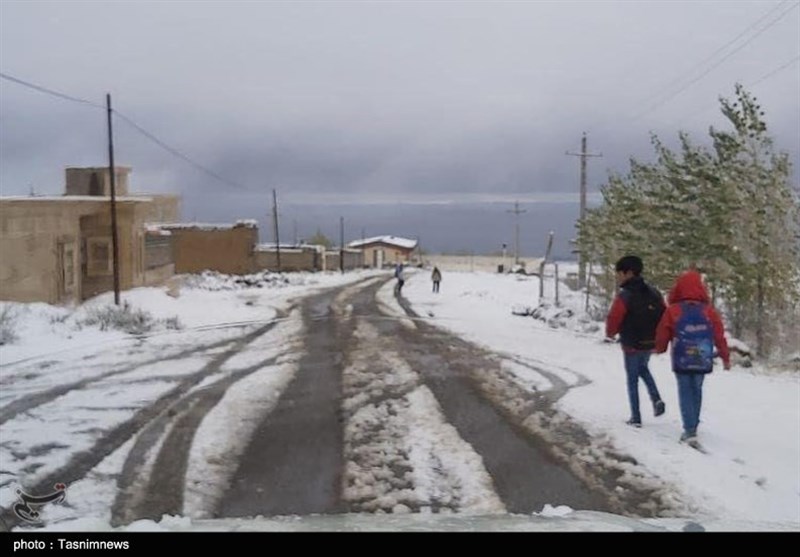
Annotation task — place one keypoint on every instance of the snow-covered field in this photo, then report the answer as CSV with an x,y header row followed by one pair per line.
x,y
750,478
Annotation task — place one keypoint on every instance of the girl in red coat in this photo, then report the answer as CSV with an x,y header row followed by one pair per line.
x,y
693,327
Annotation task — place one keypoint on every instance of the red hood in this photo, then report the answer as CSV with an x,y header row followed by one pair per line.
x,y
689,286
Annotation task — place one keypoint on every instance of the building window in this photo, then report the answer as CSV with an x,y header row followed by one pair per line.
x,y
98,256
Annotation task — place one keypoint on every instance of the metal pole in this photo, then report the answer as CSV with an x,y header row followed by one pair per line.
x,y
556,270
588,288
341,244
516,237
541,279
113,183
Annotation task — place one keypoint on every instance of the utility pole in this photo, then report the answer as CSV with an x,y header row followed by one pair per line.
x,y
113,183
583,155
275,222
294,227
341,244
517,211
549,246
363,249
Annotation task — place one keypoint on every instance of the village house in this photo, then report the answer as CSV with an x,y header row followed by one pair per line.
x,y
385,250
58,249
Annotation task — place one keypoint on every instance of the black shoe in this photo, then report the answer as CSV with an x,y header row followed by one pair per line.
x,y
659,407
634,423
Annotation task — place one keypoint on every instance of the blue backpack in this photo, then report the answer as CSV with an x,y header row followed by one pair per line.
x,y
693,342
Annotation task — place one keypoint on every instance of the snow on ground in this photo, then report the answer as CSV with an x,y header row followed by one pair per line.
x,y
226,430
207,300
751,418
394,422
750,421
117,374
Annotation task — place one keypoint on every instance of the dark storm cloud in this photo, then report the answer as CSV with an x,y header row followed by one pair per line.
x,y
376,98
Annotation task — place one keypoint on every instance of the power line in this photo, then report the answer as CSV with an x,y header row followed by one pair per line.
x,y
776,70
177,153
753,84
719,62
709,58
130,122
49,91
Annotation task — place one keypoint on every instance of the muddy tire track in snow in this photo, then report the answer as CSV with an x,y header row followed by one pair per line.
x,y
521,471
162,492
81,463
386,416
403,454
27,402
625,487
293,463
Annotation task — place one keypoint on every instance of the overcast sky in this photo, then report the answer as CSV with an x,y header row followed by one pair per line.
x,y
381,98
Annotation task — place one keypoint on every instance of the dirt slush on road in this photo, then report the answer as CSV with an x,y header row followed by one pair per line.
x,y
385,413
313,454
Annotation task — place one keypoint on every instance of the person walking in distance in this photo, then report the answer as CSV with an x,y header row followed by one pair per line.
x,y
401,279
634,315
436,277
694,328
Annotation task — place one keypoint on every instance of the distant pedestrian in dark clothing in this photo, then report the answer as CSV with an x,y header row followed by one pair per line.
x,y
436,277
694,328
401,279
634,314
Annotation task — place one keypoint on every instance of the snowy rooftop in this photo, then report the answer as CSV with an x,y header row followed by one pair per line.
x,y
390,240
74,198
247,223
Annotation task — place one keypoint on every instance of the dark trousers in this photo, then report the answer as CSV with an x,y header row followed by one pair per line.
x,y
636,368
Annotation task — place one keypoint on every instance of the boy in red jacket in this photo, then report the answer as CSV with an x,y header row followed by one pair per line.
x,y
692,325
634,314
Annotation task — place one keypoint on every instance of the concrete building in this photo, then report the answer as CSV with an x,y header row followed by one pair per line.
x,y
58,249
381,251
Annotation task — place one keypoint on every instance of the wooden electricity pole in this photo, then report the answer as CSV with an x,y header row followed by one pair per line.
x,y
516,211
275,223
341,244
113,186
583,155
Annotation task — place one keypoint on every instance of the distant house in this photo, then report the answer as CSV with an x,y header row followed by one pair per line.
x,y
58,249
385,250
